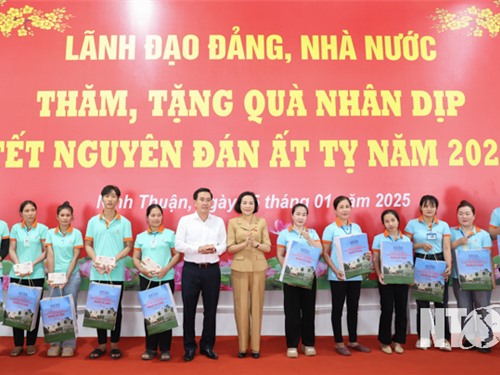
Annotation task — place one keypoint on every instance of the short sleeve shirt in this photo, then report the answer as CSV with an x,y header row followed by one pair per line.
x,y
158,246
287,235
385,237
29,246
495,222
434,234
336,229
63,246
478,239
109,240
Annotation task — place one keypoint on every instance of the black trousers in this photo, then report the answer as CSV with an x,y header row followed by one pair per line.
x,y
300,307
102,334
19,333
343,291
162,340
426,304
195,280
393,298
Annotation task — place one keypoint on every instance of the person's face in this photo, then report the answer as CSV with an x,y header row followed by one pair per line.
x,y
247,205
29,213
465,216
110,200
343,210
428,209
155,218
203,203
391,223
64,217
299,217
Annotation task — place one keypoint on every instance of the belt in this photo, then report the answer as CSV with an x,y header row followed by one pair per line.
x,y
437,256
202,265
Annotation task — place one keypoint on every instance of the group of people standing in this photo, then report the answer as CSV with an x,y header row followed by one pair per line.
x,y
202,238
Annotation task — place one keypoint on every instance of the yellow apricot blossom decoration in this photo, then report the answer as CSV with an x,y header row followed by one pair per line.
x,y
24,20
477,21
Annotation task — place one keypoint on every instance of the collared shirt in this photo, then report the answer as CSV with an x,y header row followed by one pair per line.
x,y
478,239
29,246
158,246
64,245
495,222
290,234
109,240
192,232
420,232
249,259
336,229
385,237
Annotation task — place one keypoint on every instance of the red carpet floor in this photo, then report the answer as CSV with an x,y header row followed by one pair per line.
x,y
273,360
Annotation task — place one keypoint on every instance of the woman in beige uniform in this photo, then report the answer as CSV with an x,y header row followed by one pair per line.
x,y
248,239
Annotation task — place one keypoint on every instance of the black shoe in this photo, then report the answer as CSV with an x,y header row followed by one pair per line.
x,y
484,350
189,355
209,353
255,355
242,354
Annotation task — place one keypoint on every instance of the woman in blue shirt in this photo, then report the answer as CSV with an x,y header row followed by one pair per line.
x,y
466,236
342,289
156,244
431,240
393,297
64,244
27,245
299,303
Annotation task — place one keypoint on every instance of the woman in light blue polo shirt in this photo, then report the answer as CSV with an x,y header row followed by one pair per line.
x,y
393,297
156,244
64,244
431,240
342,289
299,303
27,245
466,236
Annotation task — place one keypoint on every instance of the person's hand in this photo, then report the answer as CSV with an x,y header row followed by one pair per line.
x,y
446,272
381,279
206,249
340,275
100,268
462,241
161,273
426,247
305,234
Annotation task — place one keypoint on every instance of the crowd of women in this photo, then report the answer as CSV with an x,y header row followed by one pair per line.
x,y
58,250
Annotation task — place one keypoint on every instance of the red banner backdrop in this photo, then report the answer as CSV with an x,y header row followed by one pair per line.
x,y
383,101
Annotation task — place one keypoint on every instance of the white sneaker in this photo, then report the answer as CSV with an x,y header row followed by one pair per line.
x,y
423,344
444,346
309,350
292,353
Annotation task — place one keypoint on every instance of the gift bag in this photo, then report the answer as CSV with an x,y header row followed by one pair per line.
x,y
158,307
101,306
21,306
58,318
429,281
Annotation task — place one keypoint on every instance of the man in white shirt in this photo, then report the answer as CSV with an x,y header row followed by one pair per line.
x,y
201,237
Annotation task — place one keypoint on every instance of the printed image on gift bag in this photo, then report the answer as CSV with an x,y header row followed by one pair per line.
x,y
159,309
21,306
101,306
59,318
429,280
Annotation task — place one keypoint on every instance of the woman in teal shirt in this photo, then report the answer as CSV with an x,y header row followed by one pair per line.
x,y
156,244
64,244
27,245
